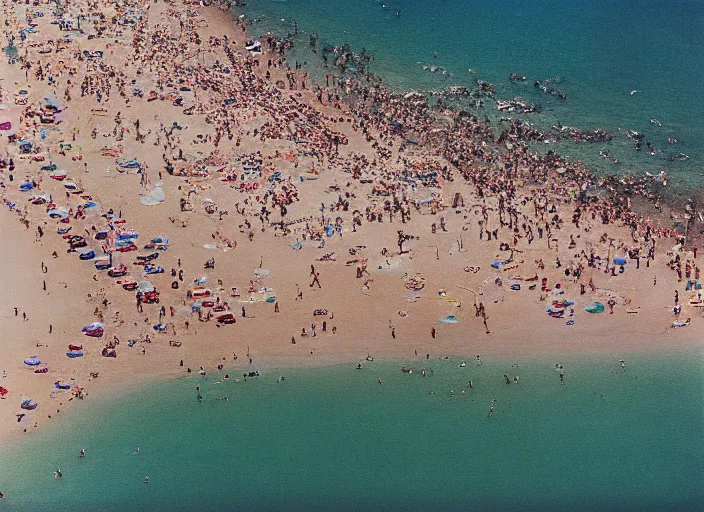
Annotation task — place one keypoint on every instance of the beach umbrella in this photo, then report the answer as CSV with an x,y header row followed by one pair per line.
x,y
449,319
261,272
595,307
3,391
145,286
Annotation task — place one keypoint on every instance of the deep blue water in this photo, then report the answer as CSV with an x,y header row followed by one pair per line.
x,y
601,50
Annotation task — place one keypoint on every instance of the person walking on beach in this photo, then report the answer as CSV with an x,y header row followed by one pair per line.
x,y
316,280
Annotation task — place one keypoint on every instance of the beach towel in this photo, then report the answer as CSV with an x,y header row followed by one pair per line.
x,y
6,126
128,164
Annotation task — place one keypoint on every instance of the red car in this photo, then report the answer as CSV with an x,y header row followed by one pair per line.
x,y
127,248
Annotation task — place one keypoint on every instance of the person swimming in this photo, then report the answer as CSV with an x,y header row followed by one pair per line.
x,y
82,453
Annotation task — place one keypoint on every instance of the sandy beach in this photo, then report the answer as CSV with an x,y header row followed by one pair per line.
x,y
304,212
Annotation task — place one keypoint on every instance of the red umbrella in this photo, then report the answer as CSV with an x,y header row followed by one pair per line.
x,y
3,391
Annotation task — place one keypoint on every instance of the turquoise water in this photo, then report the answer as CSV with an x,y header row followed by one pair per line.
x,y
601,51
332,438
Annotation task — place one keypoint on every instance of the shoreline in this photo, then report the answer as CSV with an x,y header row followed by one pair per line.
x,y
101,399
673,197
367,312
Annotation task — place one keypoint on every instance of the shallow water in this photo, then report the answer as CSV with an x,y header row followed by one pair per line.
x,y
333,438
600,50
